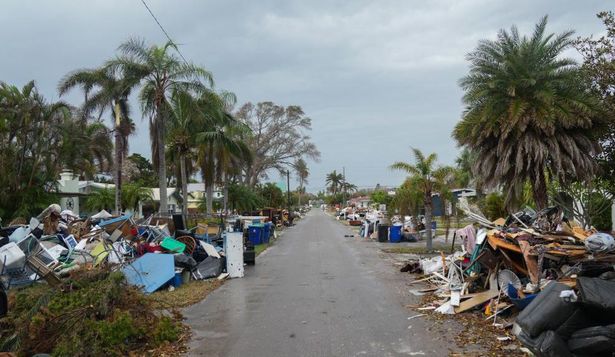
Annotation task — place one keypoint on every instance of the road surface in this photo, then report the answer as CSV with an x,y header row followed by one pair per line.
x,y
314,293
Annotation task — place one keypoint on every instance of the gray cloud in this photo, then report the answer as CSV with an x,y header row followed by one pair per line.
x,y
375,77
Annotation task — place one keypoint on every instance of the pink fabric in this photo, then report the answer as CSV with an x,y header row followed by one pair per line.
x,y
468,235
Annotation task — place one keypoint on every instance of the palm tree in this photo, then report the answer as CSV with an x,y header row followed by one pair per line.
x,y
104,90
528,114
184,112
446,178
243,198
85,147
161,73
219,145
135,194
302,174
334,181
425,174
101,199
465,162
348,187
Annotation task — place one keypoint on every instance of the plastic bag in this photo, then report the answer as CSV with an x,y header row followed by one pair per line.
x,y
600,243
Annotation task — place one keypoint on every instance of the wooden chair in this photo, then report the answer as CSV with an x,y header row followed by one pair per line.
x,y
189,242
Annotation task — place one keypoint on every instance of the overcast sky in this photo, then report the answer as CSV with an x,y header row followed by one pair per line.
x,y
376,77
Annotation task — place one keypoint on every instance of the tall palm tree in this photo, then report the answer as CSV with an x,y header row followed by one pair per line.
x,y
161,73
425,174
302,174
183,119
220,146
334,181
528,114
104,89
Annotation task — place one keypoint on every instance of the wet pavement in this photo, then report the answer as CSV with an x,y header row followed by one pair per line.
x,y
314,293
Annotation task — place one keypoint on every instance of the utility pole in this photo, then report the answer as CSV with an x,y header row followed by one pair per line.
x,y
288,191
344,186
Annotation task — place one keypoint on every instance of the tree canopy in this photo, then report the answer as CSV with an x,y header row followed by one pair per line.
x,y
529,115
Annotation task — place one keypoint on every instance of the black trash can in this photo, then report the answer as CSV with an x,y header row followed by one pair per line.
x,y
383,233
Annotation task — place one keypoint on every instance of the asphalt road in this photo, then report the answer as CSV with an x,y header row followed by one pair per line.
x,y
314,293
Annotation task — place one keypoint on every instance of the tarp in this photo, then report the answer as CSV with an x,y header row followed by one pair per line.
x,y
210,268
597,293
593,341
546,312
101,215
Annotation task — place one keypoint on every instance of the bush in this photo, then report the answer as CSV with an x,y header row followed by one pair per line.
x,y
94,314
602,220
494,207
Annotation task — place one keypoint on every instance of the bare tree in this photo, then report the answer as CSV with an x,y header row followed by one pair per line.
x,y
278,138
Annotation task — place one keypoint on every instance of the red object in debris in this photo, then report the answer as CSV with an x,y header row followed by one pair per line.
x,y
148,248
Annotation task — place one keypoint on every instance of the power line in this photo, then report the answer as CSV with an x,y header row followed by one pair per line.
x,y
164,31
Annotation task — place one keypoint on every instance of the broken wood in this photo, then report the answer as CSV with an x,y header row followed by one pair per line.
x,y
477,300
530,261
420,280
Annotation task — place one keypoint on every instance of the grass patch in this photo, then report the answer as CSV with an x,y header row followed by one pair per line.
x,y
418,249
186,295
258,249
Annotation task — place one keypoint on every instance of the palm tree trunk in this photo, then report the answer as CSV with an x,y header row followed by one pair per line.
x,y
182,168
428,207
225,198
539,188
209,189
118,159
447,223
300,190
162,163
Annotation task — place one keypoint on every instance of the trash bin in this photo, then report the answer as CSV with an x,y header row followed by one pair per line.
x,y
255,234
266,232
395,235
383,233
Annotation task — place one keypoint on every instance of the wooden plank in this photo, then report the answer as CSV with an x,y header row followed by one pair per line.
x,y
515,265
531,262
496,243
478,299
420,280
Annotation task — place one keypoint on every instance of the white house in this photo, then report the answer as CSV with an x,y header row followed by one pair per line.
x,y
72,190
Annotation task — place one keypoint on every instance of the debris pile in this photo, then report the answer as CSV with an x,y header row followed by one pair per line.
x,y
559,276
56,243
64,271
